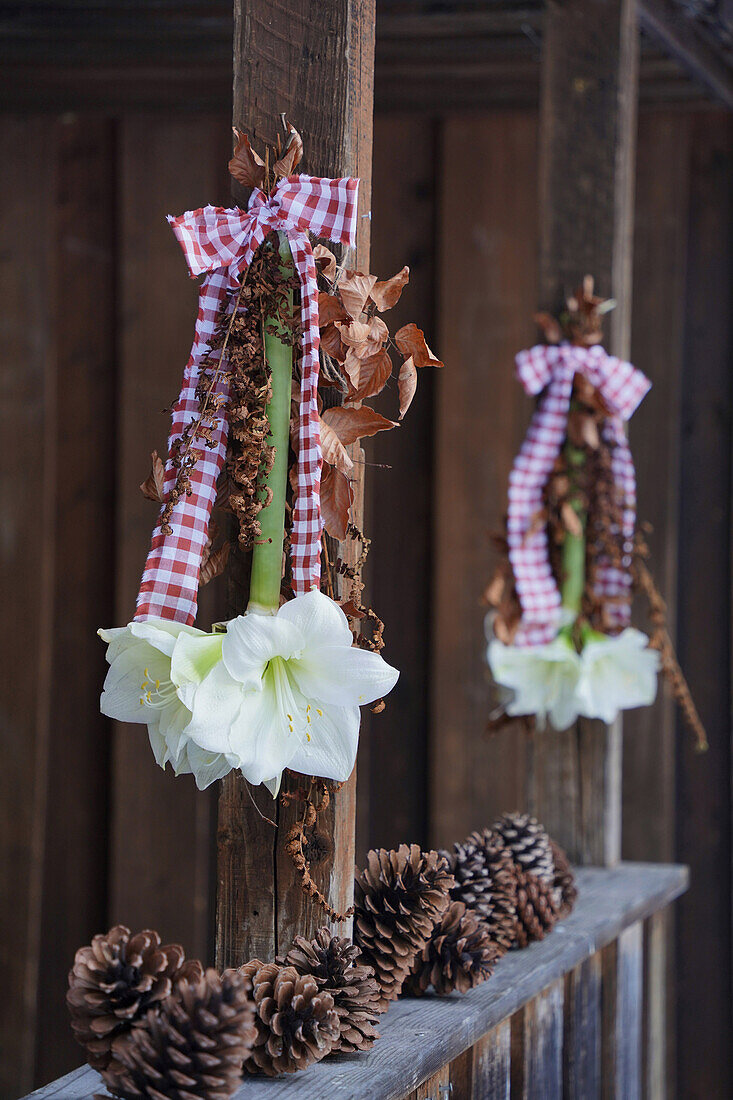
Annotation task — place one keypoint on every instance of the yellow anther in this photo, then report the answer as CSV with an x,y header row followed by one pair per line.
x,y
308,736
319,712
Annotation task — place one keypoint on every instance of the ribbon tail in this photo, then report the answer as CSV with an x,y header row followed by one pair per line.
x,y
307,522
528,550
169,586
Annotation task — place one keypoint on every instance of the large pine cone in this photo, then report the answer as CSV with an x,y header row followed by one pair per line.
x,y
460,955
485,881
115,980
528,843
193,1046
295,1020
399,897
537,908
335,964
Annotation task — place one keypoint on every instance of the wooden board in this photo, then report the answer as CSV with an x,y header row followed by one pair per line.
x,y
421,1035
392,804
537,1032
582,1033
160,826
621,1047
487,293
492,1063
329,97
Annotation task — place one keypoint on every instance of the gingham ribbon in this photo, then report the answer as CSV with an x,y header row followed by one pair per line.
x,y
220,244
622,387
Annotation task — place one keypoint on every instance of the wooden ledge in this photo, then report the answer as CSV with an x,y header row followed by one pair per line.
x,y
421,1035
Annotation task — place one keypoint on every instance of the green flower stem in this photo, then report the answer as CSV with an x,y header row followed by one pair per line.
x,y
573,550
264,589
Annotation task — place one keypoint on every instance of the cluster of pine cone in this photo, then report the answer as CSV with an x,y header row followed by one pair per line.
x,y
157,1025
442,919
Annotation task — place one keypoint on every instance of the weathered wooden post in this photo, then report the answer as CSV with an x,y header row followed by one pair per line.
x,y
587,153
315,62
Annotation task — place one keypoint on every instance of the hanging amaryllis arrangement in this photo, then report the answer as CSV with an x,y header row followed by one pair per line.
x,y
281,685
561,643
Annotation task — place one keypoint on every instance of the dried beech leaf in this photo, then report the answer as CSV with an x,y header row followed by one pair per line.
x,y
406,384
326,260
583,429
292,153
246,166
368,376
152,487
550,326
332,343
571,519
213,565
387,293
330,309
337,496
355,288
411,341
352,424
349,608
333,449
355,334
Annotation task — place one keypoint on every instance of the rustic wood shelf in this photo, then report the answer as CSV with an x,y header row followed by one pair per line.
x,y
419,1037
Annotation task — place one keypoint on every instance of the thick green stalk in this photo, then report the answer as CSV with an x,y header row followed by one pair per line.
x,y
264,589
573,550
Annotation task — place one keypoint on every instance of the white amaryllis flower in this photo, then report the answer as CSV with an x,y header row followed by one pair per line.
x,y
286,693
617,673
139,688
543,678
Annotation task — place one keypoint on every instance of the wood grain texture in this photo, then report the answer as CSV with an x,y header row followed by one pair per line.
x,y
657,1081
75,841
488,233
437,1087
392,802
622,963
582,1032
703,796
537,1034
588,100
316,66
161,826
27,516
421,1035
492,1063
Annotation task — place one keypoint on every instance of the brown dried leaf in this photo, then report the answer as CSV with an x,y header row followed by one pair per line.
x,y
325,258
407,384
352,424
246,166
411,341
292,153
349,608
355,288
550,326
332,343
214,564
571,519
355,334
337,496
152,487
330,309
333,449
387,293
368,376
583,429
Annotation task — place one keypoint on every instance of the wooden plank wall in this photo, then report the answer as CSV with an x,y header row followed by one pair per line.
x,y
97,318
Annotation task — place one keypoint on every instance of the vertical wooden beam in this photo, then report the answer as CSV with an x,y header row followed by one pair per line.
x,y
492,1063
582,1038
621,1044
316,64
537,1036
587,143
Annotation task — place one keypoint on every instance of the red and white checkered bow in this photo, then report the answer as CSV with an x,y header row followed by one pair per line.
x,y
622,387
220,244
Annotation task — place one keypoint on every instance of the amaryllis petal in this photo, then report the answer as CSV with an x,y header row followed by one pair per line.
x,y
162,633
343,676
331,750
214,704
261,737
252,640
123,695
318,619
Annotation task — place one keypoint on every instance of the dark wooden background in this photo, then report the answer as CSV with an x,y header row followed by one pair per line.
x,y
96,316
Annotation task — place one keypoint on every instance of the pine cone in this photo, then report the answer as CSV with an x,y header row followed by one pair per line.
x,y
460,955
528,843
566,892
115,980
398,899
486,883
335,965
537,908
296,1022
192,1046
